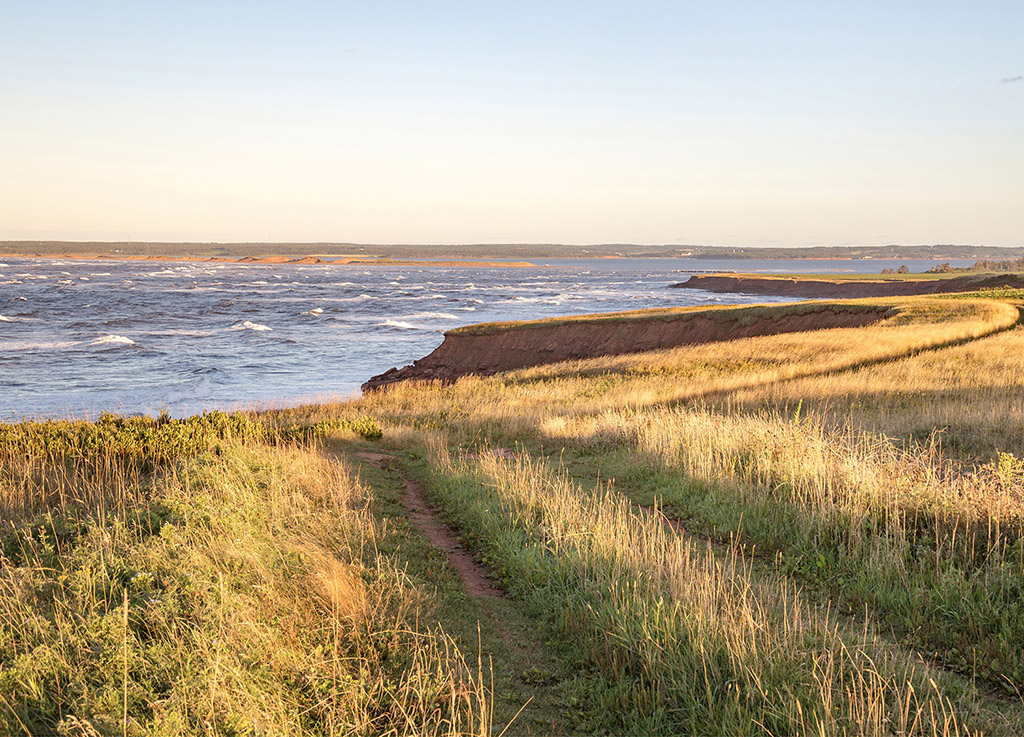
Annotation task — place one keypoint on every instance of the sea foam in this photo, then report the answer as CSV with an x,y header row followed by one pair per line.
x,y
251,326
397,324
113,340
430,316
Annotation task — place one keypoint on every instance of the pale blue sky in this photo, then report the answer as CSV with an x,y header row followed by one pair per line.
x,y
744,123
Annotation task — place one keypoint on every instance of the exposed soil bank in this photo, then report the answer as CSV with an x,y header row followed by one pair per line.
x,y
849,289
488,349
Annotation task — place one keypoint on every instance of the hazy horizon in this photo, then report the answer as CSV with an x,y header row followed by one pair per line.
x,y
738,125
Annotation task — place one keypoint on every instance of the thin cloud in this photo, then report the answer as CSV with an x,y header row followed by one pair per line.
x,y
1011,80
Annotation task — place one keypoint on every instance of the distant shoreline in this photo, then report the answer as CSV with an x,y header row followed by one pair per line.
x,y
284,260
531,252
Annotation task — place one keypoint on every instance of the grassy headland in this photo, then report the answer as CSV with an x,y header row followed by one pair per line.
x,y
815,532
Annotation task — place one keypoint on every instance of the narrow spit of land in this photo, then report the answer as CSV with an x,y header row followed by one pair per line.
x,y
294,260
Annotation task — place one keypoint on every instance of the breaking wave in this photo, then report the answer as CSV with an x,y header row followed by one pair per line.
x,y
113,340
252,326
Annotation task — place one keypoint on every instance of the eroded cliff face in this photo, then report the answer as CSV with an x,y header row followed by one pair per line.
x,y
849,289
485,350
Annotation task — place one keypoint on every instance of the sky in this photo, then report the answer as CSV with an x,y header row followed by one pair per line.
x,y
718,123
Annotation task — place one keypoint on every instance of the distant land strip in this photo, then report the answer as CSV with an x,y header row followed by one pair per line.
x,y
524,251
342,261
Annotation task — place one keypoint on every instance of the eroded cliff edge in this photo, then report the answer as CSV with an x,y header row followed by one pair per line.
x,y
849,289
489,348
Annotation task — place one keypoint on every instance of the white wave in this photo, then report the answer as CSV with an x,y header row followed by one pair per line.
x,y
429,316
4,266
475,301
101,273
314,312
182,332
27,345
113,340
251,326
360,298
397,324
467,309
6,319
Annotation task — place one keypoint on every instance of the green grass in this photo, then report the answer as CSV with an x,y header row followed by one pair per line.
x,y
743,315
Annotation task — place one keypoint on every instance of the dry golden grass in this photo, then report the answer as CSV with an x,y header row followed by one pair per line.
x,y
233,593
972,395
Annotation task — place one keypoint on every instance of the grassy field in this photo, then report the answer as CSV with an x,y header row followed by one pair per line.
x,y
817,532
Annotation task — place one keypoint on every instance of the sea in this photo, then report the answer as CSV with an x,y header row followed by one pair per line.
x,y
82,336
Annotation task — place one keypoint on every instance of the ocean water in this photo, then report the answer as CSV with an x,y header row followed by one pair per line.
x,y
78,337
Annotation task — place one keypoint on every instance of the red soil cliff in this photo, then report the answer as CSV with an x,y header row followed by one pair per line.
x,y
488,349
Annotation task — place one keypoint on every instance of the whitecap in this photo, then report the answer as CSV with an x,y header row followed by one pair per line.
x,y
113,340
430,316
314,312
6,319
181,331
251,326
397,324
27,345
101,273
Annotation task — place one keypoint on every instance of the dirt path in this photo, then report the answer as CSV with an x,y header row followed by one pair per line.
x,y
474,576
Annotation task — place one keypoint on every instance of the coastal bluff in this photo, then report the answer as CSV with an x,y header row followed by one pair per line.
x,y
847,289
489,348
